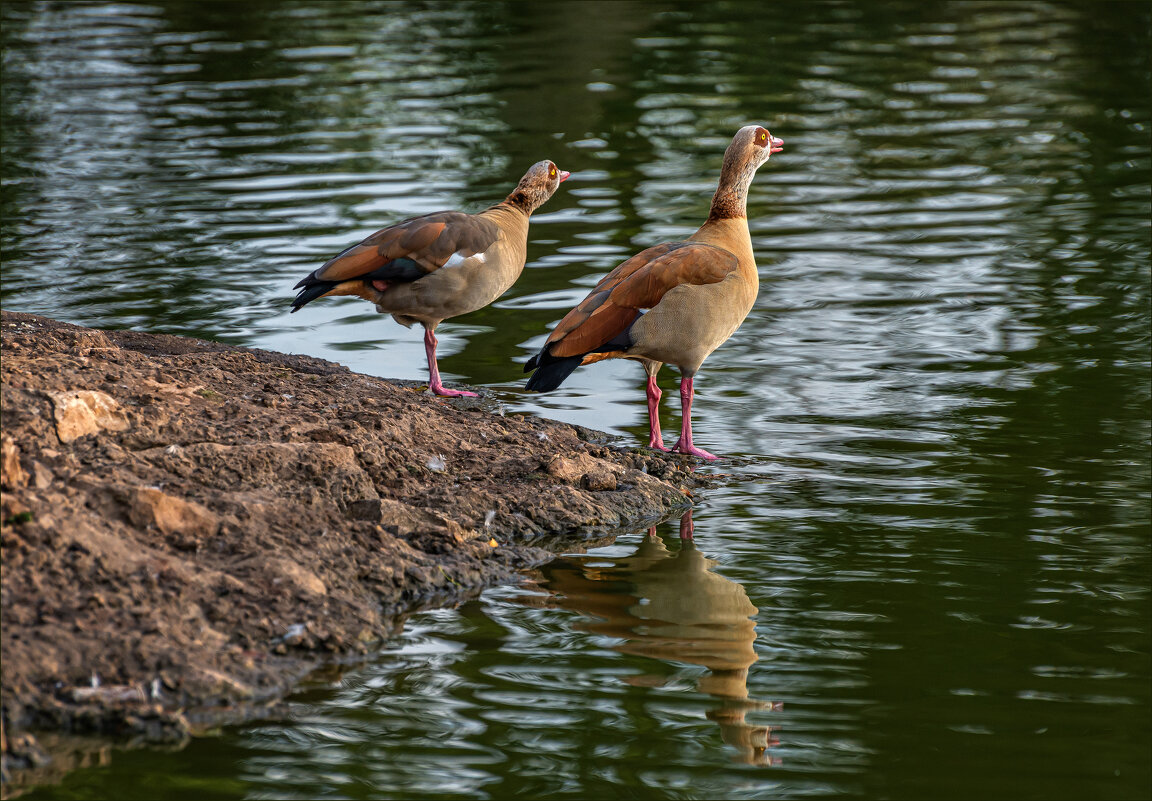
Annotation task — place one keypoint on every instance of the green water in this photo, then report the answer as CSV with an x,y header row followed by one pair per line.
x,y
929,576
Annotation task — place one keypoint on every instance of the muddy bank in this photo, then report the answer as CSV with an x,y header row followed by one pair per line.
x,y
189,528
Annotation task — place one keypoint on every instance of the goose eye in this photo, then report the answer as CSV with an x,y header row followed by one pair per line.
x,y
552,172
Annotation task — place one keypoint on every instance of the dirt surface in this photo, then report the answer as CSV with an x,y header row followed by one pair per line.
x,y
190,528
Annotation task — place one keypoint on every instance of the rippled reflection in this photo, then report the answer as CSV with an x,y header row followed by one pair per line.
x,y
669,604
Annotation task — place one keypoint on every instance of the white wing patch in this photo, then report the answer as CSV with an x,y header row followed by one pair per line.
x,y
458,258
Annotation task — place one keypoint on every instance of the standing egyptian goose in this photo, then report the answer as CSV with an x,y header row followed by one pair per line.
x,y
440,265
674,303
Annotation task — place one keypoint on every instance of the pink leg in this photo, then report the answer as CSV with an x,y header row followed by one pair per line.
x,y
435,385
655,439
684,444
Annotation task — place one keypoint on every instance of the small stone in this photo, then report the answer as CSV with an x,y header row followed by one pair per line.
x,y
598,481
41,476
12,473
585,471
295,634
151,507
286,571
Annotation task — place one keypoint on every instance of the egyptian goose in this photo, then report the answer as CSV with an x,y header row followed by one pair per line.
x,y
440,265
673,303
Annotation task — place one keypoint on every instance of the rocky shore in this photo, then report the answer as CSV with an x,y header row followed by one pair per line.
x,y
190,528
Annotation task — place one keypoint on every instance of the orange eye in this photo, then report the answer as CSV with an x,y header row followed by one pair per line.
x,y
552,172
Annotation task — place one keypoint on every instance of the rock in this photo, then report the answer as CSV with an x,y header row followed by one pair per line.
x,y
12,474
215,683
584,471
151,507
284,571
295,634
110,694
82,412
41,476
408,520
598,481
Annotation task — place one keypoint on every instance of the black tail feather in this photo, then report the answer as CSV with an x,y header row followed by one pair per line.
x,y
551,373
310,293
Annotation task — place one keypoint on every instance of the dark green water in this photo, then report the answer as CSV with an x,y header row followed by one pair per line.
x,y
930,578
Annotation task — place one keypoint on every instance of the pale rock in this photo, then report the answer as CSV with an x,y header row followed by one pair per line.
x,y
42,476
582,470
151,507
81,412
286,571
12,475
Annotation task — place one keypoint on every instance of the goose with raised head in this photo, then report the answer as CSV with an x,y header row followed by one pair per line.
x,y
673,303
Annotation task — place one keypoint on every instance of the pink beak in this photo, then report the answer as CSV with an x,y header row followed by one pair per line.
x,y
777,145
564,175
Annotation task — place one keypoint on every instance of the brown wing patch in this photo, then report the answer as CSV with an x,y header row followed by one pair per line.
x,y
465,235
637,284
418,237
429,241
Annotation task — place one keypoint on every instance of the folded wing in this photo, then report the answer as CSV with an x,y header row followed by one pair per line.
x,y
402,253
601,321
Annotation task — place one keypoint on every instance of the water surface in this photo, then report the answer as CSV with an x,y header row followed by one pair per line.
x,y
936,530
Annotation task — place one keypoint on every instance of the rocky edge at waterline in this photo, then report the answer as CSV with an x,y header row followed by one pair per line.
x,y
189,528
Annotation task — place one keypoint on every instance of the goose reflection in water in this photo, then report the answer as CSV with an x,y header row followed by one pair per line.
x,y
669,605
